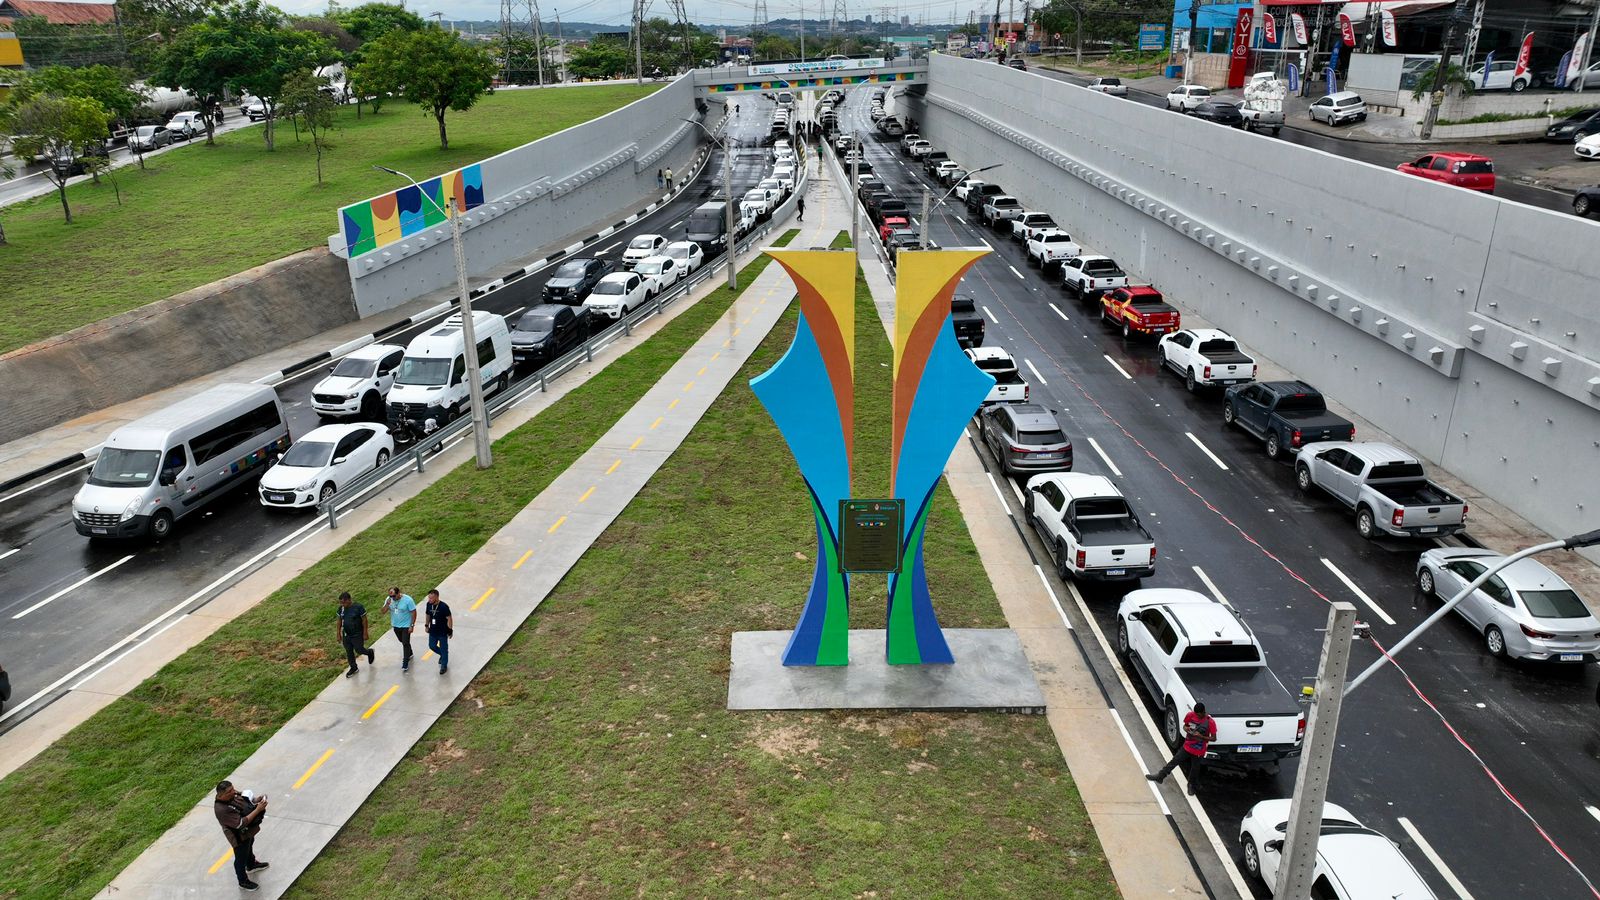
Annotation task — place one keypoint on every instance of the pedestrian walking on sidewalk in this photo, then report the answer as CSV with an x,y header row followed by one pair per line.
x,y
350,629
669,179
402,612
441,627
800,205
240,818
1199,730
5,688
661,179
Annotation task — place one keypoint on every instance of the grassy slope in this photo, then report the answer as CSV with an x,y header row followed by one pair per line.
x,y
595,756
82,810
201,213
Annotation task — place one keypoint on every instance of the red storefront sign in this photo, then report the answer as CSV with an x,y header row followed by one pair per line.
x,y
1239,63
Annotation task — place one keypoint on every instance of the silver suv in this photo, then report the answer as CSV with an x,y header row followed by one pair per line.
x,y
1339,108
1026,439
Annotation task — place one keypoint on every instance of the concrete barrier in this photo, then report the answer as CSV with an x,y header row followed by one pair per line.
x,y
161,344
1460,323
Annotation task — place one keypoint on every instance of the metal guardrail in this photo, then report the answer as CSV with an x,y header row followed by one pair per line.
x,y
414,458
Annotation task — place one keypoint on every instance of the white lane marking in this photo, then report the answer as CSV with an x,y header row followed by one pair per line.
x,y
1155,789
996,485
9,552
1015,272
1063,614
1354,589
1057,311
1211,586
986,244
990,315
41,484
72,587
676,224
1029,364
959,219
124,654
1113,466
1593,811
604,250
1427,850
1206,450
1120,370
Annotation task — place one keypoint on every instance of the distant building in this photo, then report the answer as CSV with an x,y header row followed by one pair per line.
x,y
869,18
905,20
58,12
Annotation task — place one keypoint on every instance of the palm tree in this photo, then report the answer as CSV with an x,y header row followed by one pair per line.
x,y
1454,77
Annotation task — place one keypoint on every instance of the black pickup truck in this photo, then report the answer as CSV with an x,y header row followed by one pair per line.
x,y
967,320
1287,415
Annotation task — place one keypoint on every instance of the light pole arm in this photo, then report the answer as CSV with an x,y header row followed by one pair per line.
x,y
442,211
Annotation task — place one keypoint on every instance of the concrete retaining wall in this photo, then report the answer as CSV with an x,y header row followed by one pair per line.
x,y
589,174
1460,323
185,336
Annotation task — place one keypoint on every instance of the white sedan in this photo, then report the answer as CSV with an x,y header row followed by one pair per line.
x,y
616,295
687,253
1524,611
1353,861
1185,97
314,468
1588,148
642,247
660,274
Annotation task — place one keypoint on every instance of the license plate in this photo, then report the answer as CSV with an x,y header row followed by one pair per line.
x,y
1248,748
1116,571
1431,529
1565,657
100,530
1044,456
281,498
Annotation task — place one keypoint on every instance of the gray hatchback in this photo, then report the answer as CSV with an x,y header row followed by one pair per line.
x,y
1026,439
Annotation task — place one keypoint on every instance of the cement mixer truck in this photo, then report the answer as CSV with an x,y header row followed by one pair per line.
x,y
1263,102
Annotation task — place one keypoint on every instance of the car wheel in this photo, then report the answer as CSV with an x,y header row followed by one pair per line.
x,y
1227,414
1063,568
326,494
1494,641
1171,726
1122,638
1425,585
1252,857
1581,205
161,525
1518,87
1190,382
1302,479
383,459
1366,526
1127,331
1274,446
372,407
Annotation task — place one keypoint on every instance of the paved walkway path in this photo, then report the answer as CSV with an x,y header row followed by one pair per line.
x,y
322,765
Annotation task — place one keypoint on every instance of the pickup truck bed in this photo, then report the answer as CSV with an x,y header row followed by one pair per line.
x,y
1243,691
1415,493
1110,533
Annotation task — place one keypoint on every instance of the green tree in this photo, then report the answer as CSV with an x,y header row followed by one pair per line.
x,y
47,44
771,46
434,69
370,21
278,53
1455,78
112,87
338,37
305,99
57,128
601,59
204,60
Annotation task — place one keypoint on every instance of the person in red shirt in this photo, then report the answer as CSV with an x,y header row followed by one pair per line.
x,y
1199,730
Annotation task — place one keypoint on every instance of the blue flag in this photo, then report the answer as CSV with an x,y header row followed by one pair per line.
x,y
1330,75
1488,61
1561,69
1294,78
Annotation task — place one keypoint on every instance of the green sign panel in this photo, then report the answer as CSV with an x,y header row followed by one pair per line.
x,y
869,535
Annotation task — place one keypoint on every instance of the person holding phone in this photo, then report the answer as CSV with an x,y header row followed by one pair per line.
x,y
1199,730
240,818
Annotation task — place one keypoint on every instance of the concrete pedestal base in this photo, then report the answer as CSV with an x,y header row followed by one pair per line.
x,y
990,673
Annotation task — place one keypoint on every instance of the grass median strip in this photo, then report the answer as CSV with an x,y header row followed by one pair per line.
x,y
198,213
595,757
83,809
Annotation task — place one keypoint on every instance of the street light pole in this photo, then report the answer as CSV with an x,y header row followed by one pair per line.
x,y
480,415
927,208
855,192
731,240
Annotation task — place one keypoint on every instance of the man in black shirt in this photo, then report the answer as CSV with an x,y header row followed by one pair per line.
x,y
240,819
351,631
441,625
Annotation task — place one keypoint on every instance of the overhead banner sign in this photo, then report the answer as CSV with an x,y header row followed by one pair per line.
x,y
1348,30
1299,23
1390,37
1239,60
1523,56
820,65
1269,29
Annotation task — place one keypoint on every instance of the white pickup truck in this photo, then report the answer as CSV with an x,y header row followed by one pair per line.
x,y
1263,102
1386,486
1090,276
1051,246
1091,532
1205,357
1186,647
1008,384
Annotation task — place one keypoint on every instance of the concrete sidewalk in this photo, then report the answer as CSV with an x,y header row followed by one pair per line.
x,y
321,766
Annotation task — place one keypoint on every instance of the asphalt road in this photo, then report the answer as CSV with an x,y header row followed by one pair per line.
x,y
104,592
1511,160
1239,520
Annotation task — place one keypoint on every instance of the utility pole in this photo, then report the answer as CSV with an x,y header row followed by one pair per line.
x,y
1437,98
638,41
480,415
802,30
1316,758
927,207
1473,33
1588,49
538,39
561,48
727,188
855,192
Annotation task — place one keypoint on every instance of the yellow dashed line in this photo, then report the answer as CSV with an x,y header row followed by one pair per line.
x,y
425,656
614,467
637,441
715,355
688,387
479,601
701,372
521,559
655,423
728,342
589,491
673,404
324,758
381,701
221,861
556,525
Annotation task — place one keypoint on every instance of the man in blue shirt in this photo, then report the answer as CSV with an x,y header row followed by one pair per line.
x,y
402,612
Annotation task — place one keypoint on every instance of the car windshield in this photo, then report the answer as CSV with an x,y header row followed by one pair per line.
x,y
963,304
649,268
1295,402
608,287
536,324
1053,436
1563,604
1102,267
642,243
308,455
1057,239
116,467
678,252
572,270
1111,81
350,367
1348,101
1210,348
996,364
146,130
757,195
1220,653
421,370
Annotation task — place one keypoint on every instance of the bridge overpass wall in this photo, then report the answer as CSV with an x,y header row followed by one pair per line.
x,y
1464,325
591,174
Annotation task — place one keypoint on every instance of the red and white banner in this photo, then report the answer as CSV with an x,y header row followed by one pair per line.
x,y
1523,56
1239,63
1575,61
1389,37
1348,30
1299,23
1269,28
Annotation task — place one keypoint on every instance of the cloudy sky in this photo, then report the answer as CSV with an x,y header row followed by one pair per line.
x,y
619,12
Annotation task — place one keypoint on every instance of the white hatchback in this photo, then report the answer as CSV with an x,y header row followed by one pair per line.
x,y
687,253
312,470
1353,861
616,295
660,273
642,247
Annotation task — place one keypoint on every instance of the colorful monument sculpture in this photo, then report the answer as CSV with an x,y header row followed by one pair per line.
x,y
810,394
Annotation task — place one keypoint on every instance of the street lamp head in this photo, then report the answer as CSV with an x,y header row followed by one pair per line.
x,y
389,170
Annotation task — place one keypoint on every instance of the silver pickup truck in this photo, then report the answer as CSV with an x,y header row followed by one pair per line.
x,y
1386,486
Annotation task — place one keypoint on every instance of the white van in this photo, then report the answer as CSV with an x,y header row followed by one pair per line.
x,y
430,387
156,470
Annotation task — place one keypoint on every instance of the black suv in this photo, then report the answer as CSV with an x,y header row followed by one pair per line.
x,y
967,320
574,280
547,331
1025,439
980,195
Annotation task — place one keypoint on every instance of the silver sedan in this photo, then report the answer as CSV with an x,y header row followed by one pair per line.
x,y
1525,611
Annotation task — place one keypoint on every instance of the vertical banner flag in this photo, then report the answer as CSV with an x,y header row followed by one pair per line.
x,y
1488,63
1575,60
1269,29
1299,23
1389,35
1329,76
1561,70
1240,58
1293,74
1348,30
1523,56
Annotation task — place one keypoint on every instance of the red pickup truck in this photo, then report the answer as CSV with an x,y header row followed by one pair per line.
x,y
1139,310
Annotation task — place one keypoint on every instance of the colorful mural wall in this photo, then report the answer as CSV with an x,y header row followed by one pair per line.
x,y
379,222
